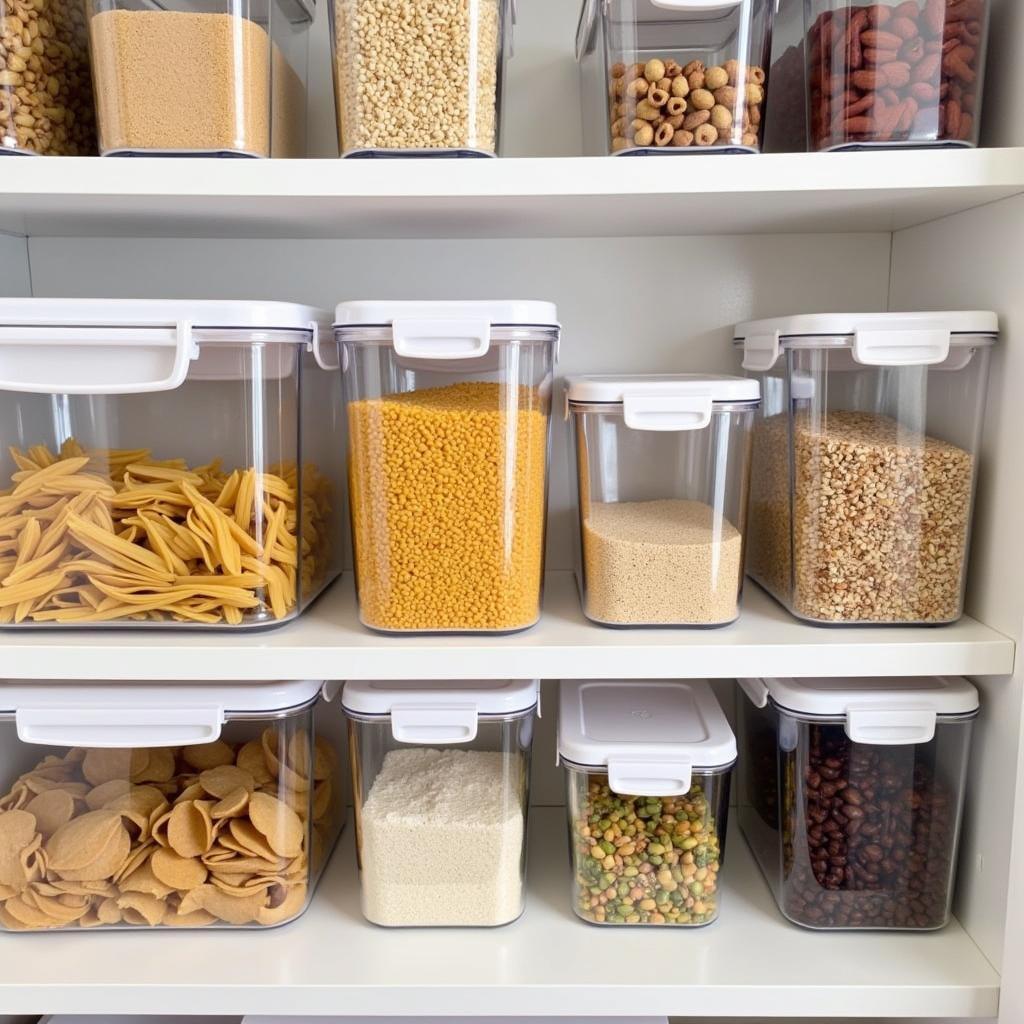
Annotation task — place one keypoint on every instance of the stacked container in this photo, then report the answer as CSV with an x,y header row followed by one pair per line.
x,y
663,467
851,796
448,409
865,459
166,463
441,776
648,766
181,805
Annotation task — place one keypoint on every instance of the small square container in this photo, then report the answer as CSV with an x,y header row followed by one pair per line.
x,y
673,76
851,793
895,74
200,77
647,771
902,397
441,778
448,410
663,472
166,464
425,81
172,805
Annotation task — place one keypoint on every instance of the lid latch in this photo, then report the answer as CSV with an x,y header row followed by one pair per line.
x,y
761,351
667,412
119,727
634,776
441,338
879,347
434,723
889,726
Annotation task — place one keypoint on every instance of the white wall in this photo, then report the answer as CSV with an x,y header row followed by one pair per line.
x,y
14,274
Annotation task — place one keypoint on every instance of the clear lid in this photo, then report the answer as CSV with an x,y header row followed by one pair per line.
x,y
649,736
888,711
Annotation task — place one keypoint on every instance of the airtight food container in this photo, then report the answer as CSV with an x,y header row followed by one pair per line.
x,y
647,771
178,805
448,411
200,77
865,460
166,464
673,76
425,81
662,469
903,74
851,793
441,776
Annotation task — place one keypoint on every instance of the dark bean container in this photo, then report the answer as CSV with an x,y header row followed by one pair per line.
x,y
851,794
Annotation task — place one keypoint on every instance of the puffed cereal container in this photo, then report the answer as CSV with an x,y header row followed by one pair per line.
x,y
865,460
423,80
851,794
178,805
673,76
448,413
441,778
166,464
663,473
647,771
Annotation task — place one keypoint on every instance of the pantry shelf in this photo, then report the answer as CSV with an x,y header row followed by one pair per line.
x,y
750,962
553,197
328,642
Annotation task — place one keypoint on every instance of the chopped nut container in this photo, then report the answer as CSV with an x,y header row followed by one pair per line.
x,y
865,461
851,793
647,770
166,464
663,471
441,787
448,412
173,805
674,76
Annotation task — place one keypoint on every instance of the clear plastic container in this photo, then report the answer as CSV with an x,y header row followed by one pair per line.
x,y
441,776
865,459
178,805
673,76
851,793
663,471
201,77
166,464
648,766
427,82
448,411
46,104
895,73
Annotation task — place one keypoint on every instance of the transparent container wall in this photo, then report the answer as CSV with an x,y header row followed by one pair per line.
x,y
228,834
669,80
46,103
884,543
662,517
200,77
426,81
441,829
646,860
191,507
895,74
448,482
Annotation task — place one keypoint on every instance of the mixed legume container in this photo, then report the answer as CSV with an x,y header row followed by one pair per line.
x,y
441,776
179,805
647,767
865,460
851,796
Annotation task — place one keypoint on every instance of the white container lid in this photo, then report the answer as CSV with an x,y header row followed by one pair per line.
x,y
649,735
497,312
443,711
105,714
886,711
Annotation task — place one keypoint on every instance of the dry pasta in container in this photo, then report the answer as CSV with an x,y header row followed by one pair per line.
x,y
166,464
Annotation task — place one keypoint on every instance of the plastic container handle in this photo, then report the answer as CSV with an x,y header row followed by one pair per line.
x,y
639,777
119,727
325,358
876,347
756,691
890,727
436,723
761,351
667,412
101,368
441,339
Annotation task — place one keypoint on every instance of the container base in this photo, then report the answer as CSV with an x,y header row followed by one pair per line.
x,y
419,154
685,151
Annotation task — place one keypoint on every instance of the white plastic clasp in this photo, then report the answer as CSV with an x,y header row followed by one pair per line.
x,y
434,723
86,726
631,776
879,347
700,6
441,339
667,412
761,351
330,357
756,690
888,726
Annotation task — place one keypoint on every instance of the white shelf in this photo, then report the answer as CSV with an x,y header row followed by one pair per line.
x,y
552,197
751,961
329,643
